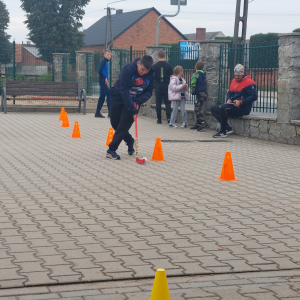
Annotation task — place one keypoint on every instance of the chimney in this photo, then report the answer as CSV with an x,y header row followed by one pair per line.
x,y
200,34
119,11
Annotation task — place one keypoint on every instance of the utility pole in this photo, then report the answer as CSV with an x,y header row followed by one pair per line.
x,y
108,22
238,19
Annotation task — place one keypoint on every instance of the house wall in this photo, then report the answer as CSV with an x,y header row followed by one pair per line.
x,y
143,33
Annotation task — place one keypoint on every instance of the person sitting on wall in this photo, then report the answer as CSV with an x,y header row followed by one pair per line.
x,y
242,93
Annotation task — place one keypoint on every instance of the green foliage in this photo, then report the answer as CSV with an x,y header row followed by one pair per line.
x,y
264,50
45,77
261,38
5,45
225,38
54,25
296,30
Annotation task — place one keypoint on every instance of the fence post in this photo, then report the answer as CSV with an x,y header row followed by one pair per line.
x,y
130,53
14,60
58,65
83,66
288,78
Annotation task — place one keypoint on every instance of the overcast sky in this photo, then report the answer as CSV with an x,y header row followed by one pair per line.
x,y
214,15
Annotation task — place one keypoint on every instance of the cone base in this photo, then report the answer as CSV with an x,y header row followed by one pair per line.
x,y
75,137
227,179
157,159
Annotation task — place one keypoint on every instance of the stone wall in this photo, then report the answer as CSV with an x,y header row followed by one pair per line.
x,y
119,57
285,127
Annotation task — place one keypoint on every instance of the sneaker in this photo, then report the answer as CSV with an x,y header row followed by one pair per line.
x,y
99,115
183,125
202,126
159,122
172,125
130,147
220,134
195,126
112,154
229,130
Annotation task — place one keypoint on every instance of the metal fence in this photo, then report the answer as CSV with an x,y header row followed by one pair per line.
x,y
261,64
187,59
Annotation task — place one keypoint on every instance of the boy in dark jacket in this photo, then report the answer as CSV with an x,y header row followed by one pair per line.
x,y
134,87
198,88
104,85
242,93
163,71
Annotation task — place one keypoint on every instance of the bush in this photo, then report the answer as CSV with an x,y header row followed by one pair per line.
x,y
296,30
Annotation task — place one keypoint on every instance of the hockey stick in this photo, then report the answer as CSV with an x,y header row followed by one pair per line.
x,y
138,160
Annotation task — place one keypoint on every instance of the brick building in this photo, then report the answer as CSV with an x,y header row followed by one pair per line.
x,y
136,29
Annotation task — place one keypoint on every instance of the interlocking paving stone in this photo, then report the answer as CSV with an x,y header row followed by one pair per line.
x,y
69,215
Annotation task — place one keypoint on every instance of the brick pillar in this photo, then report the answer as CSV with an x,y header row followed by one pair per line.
x,y
59,60
200,34
84,68
288,99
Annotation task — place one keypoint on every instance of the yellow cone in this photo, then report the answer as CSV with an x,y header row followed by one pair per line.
x,y
160,289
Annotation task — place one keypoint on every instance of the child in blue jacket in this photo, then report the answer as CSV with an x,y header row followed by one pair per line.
x,y
104,85
133,88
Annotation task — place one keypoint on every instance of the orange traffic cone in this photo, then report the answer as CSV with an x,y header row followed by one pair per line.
x,y
110,136
62,114
65,122
76,131
227,172
158,152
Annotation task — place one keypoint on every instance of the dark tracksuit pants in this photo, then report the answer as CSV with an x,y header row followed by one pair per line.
x,y
121,120
161,94
222,112
104,91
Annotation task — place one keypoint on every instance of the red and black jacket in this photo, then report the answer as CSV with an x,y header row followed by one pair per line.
x,y
244,90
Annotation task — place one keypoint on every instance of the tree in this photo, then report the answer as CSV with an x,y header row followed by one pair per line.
x,y
5,45
54,25
296,30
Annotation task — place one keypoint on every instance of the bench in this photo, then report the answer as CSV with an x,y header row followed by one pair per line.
x,y
39,90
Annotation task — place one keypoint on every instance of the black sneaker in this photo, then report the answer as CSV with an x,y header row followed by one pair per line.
x,y
196,126
202,126
112,154
99,115
229,130
130,147
159,122
220,134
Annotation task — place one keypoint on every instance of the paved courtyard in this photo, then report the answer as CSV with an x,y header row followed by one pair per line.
x,y
69,216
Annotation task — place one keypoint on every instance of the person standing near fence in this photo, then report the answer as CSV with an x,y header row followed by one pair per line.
x,y
104,84
178,94
163,71
198,88
242,93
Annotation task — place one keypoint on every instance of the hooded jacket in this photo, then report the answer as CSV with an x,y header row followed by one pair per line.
x,y
132,88
244,90
175,88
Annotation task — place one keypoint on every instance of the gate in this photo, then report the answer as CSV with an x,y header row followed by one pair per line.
x,y
261,64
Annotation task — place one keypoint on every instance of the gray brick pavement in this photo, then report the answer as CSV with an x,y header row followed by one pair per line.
x,y
69,215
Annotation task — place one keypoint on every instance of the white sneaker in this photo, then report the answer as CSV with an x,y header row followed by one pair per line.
x,y
183,125
172,125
